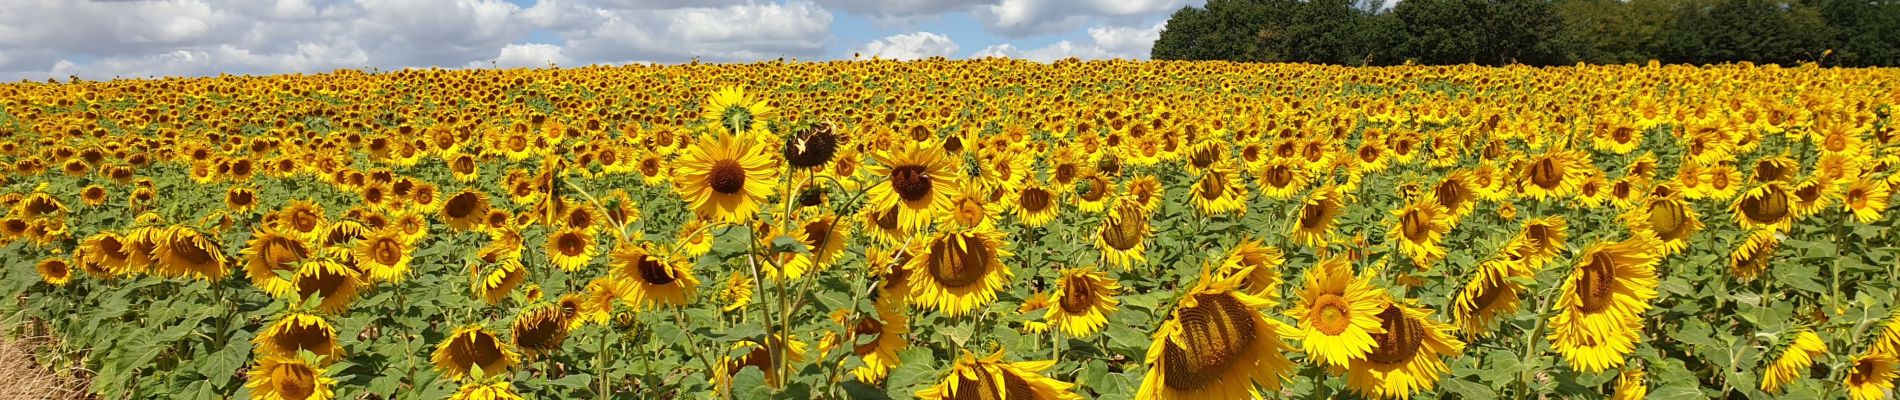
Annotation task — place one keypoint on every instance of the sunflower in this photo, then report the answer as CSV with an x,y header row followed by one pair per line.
x,y
1555,173
1867,198
695,239
1722,181
1488,297
595,303
1767,207
1147,190
240,200
289,378
570,248
56,271
736,293
823,238
726,178
648,279
540,330
959,270
1872,375
1420,232
1669,219
92,195
1630,385
1409,356
492,280
1318,214
918,183
1216,344
1034,203
301,219
1259,265
1811,196
1281,179
384,255
295,332
500,390
1216,192
184,251
1084,297
990,378
878,340
1455,195
1337,313
1123,235
763,357
270,257
1092,192
1794,361
335,283
1599,313
471,348
465,210
731,111
1751,258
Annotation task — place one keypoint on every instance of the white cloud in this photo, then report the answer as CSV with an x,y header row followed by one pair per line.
x,y
531,55
1106,42
733,33
1019,18
909,46
897,8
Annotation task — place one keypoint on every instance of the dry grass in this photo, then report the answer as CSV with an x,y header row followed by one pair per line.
x,y
23,376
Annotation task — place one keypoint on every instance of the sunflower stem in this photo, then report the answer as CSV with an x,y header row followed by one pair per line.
x,y
1530,343
600,366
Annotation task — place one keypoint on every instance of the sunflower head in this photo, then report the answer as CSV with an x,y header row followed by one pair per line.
x,y
1083,299
297,332
991,378
958,271
1338,313
1217,344
472,348
289,378
649,278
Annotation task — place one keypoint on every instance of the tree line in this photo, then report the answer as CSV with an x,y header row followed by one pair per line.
x,y
1536,32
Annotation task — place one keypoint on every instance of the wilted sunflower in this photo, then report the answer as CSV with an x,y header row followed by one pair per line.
x,y
541,329
879,340
499,390
1216,344
184,252
570,248
1599,314
470,348
335,283
1034,203
1793,363
1259,263
1409,357
1337,314
295,332
1490,295
465,210
1216,192
1123,235
1871,375
384,255
55,271
648,279
289,378
990,378
1769,207
1318,212
918,181
1867,198
1420,232
1084,297
732,112
269,254
726,177
959,270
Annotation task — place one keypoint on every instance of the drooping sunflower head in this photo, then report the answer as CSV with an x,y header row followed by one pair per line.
x,y
289,378
959,270
1337,313
333,282
1083,299
298,332
1409,356
1217,192
1671,220
1489,296
541,329
465,209
472,348
1216,344
185,252
1768,206
990,378
1797,356
1259,264
725,178
1123,235
1313,227
268,254
1541,240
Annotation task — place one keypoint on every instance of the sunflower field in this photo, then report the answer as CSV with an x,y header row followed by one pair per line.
x,y
986,229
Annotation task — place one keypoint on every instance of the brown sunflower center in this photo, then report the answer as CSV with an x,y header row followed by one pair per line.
x,y
1451,195
193,250
650,166
959,266
1770,206
1331,314
1213,185
1033,199
817,234
298,336
1125,232
294,381
1064,172
654,272
1216,333
726,177
1315,215
1278,176
986,388
887,220
1416,226
1595,288
1097,189
1078,294
1547,173
386,251
323,281
912,182
462,206
1401,339
1488,294
478,349
1667,218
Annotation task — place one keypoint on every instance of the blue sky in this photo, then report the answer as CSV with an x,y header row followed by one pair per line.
x,y
141,38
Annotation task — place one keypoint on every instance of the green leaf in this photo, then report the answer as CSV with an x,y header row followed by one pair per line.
x,y
786,244
575,381
1677,391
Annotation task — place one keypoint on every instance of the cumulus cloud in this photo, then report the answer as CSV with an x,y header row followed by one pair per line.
x,y
909,46
731,33
1019,18
530,55
1106,42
